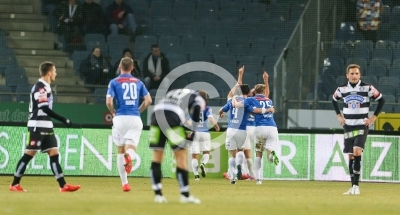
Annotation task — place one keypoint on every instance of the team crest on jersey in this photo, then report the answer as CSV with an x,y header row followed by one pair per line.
x,y
33,143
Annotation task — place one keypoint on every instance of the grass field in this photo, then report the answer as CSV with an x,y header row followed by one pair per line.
x,y
104,196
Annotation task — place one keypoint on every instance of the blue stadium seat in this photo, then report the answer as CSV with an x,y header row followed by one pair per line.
x,y
386,13
100,95
388,107
171,48
382,53
370,80
381,62
14,80
376,70
394,81
387,89
368,44
360,52
231,14
385,44
362,62
395,15
169,39
4,97
19,71
94,38
77,58
340,80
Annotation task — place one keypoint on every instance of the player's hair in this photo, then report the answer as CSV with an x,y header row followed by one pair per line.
x,y
45,68
259,88
154,46
244,90
352,66
204,95
126,64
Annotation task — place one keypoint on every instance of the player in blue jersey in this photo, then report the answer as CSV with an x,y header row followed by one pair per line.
x,y
236,132
202,139
266,132
126,90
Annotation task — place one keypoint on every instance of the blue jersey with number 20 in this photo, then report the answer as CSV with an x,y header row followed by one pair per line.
x,y
127,90
260,101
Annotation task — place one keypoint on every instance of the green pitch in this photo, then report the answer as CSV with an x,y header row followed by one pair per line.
x,y
103,195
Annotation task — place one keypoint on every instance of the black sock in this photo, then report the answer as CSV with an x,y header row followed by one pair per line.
x,y
57,171
183,179
21,167
357,169
351,161
156,175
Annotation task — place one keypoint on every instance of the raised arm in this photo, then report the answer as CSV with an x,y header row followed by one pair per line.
x,y
240,78
265,77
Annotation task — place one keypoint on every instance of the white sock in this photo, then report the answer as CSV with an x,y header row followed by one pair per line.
x,y
250,167
121,169
195,165
257,168
245,170
205,158
239,158
131,153
232,168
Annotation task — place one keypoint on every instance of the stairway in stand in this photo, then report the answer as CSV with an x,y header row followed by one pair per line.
x,y
27,36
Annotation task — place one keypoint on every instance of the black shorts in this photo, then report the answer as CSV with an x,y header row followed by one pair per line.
x,y
356,141
38,141
170,130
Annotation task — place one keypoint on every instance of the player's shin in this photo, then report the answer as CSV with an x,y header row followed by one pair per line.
x,y
257,168
351,161
357,169
156,175
239,158
250,167
205,158
232,168
21,167
57,170
121,169
183,179
195,166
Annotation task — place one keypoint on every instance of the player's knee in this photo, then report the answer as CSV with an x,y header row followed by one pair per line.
x,y
357,164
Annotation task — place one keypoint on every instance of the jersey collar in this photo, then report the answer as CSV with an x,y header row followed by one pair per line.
x,y
125,75
358,84
44,82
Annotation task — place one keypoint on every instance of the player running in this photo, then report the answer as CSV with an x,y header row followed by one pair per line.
x,y
202,139
166,127
127,124
266,132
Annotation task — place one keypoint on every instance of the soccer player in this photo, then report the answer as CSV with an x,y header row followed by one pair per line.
x,y
127,124
202,139
356,97
41,133
266,132
236,132
167,125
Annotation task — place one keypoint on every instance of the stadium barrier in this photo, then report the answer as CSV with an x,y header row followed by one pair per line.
x,y
303,156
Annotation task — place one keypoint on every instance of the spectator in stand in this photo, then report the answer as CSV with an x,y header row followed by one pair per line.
x,y
93,18
120,16
155,68
136,69
69,17
96,69
48,7
369,18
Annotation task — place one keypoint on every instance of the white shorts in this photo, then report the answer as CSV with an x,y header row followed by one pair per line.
x,y
235,138
266,137
127,130
250,137
201,143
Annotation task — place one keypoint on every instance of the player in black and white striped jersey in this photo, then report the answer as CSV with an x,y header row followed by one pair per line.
x,y
41,133
356,97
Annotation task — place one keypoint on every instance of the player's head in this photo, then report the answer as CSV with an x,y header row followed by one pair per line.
x,y
155,50
204,95
259,89
47,69
353,73
127,53
243,89
126,65
96,51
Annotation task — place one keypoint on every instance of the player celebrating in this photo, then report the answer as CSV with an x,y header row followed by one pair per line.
x,y
41,133
266,132
356,96
202,139
127,124
166,125
236,132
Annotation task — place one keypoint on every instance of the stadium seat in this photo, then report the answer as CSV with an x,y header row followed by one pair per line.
x,y
381,62
382,53
368,44
387,89
389,103
100,97
360,52
394,81
94,38
4,97
19,71
340,80
376,70
385,44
